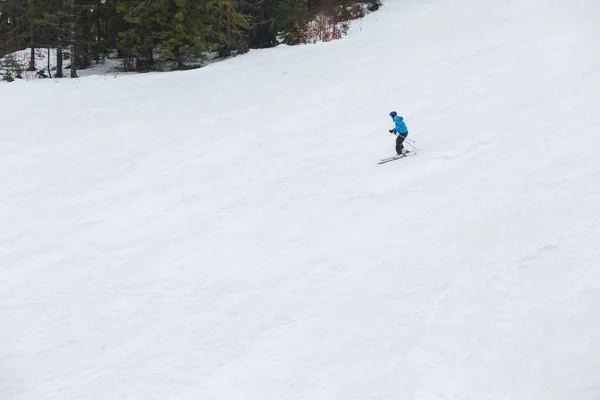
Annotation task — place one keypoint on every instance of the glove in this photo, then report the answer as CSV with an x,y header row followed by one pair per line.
x,y
392,131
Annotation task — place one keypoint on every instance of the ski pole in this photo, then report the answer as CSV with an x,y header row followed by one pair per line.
x,y
412,145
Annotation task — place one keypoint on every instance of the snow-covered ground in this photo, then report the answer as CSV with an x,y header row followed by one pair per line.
x,y
109,66
226,233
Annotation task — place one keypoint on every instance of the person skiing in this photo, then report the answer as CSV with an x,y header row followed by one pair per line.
x,y
401,132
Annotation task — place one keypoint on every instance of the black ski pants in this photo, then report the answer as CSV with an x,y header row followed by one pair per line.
x,y
399,139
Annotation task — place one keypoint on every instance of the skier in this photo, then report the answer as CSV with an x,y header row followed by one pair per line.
x,y
401,132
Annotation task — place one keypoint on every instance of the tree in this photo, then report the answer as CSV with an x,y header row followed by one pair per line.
x,y
135,41
274,18
105,23
52,22
183,30
179,30
229,28
14,24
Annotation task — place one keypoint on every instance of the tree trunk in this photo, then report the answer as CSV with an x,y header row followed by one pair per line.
x,y
228,11
73,62
49,72
95,50
59,49
32,58
59,61
72,40
84,58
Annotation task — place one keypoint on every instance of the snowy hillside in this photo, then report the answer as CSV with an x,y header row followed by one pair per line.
x,y
227,233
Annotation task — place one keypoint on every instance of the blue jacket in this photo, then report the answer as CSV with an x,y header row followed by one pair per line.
x,y
400,125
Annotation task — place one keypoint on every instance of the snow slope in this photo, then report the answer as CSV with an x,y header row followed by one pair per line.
x,y
226,233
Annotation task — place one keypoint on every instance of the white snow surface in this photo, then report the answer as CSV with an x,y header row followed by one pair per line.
x,y
227,233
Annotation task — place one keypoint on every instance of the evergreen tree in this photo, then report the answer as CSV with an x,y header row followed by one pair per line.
x,y
136,40
14,25
184,30
105,24
229,28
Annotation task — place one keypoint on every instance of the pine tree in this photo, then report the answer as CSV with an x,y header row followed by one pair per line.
x,y
230,28
183,32
105,24
51,20
136,40
14,25
274,18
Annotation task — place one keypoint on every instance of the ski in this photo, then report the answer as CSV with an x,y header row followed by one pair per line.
x,y
394,158
386,160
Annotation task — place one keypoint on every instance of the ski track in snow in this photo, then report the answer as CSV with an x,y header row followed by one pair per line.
x,y
226,233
